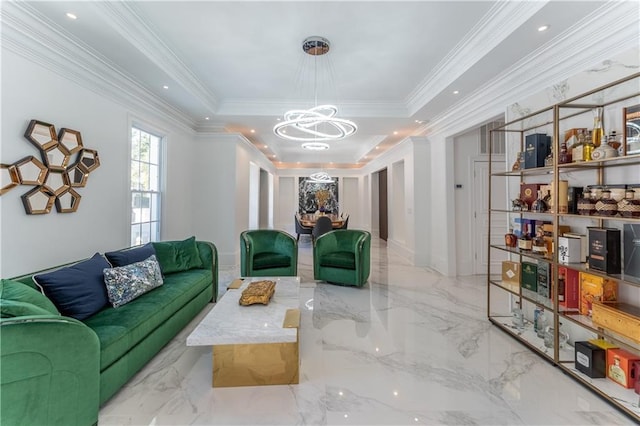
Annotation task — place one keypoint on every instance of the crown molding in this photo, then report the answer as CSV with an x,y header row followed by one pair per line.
x,y
492,29
27,33
588,42
125,19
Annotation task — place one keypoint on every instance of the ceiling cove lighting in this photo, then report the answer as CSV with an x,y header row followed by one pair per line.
x,y
320,122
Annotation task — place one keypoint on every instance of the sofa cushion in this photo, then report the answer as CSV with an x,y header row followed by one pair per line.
x,y
120,329
78,290
270,260
14,290
129,256
178,256
125,283
340,259
16,308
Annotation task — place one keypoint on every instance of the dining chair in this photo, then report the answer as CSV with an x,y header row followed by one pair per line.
x,y
322,226
300,228
345,223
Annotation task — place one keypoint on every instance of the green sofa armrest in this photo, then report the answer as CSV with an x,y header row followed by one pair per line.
x,y
209,255
49,371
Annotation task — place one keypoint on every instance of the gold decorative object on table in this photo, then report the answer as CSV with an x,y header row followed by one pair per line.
x,y
322,195
258,292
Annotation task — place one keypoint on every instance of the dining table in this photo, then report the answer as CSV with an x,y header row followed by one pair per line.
x,y
309,219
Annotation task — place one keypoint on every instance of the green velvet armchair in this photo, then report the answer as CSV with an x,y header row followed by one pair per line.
x,y
268,253
343,257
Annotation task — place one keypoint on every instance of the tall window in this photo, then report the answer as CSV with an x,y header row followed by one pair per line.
x,y
145,186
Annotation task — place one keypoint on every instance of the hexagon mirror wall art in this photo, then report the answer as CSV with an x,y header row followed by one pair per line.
x,y
65,165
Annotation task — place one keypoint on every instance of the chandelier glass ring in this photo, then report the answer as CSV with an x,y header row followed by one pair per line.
x,y
320,122
320,177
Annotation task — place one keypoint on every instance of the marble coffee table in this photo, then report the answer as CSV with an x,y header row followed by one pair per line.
x,y
256,344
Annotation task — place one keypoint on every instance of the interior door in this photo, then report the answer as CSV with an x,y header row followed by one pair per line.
x,y
499,222
383,205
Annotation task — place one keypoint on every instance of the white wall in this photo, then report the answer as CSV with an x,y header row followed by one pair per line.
x,y
32,242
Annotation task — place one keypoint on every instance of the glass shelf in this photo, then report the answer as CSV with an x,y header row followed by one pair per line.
x,y
627,160
586,322
584,267
597,217
522,253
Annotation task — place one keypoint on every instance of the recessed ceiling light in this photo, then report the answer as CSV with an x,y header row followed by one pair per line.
x,y
273,156
71,16
395,132
165,87
266,146
377,147
543,28
455,92
253,130
420,121
206,118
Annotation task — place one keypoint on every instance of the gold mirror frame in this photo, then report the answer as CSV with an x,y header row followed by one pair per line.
x,y
76,177
88,160
31,162
631,130
8,178
68,201
71,140
57,157
38,201
41,134
57,182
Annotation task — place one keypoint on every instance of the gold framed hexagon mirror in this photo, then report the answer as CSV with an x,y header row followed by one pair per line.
x,y
76,177
38,201
8,178
57,157
57,182
71,140
41,134
68,201
88,160
31,171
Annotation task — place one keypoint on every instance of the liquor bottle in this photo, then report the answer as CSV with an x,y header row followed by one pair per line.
x,y
577,152
517,317
539,321
517,165
606,206
510,239
565,156
537,243
561,286
548,160
539,205
525,242
589,146
597,134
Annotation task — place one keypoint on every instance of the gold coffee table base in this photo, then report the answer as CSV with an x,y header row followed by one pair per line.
x,y
256,364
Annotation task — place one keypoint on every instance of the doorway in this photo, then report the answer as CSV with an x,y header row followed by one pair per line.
x,y
383,215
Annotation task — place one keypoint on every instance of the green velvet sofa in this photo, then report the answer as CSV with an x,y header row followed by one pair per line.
x,y
57,370
342,257
268,253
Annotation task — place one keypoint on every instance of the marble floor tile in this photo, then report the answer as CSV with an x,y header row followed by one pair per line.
x,y
409,348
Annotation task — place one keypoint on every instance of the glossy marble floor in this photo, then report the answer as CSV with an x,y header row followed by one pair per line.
x,y
409,348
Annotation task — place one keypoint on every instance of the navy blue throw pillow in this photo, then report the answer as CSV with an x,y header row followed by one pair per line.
x,y
129,256
78,291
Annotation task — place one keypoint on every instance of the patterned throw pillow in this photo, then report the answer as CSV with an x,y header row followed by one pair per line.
x,y
125,283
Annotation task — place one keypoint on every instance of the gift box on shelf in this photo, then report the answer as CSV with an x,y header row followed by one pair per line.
x,y
620,365
569,295
591,360
621,318
529,193
631,237
569,250
596,288
536,148
511,272
604,250
584,244
529,276
544,279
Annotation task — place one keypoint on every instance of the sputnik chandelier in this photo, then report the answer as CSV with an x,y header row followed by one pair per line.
x,y
319,123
